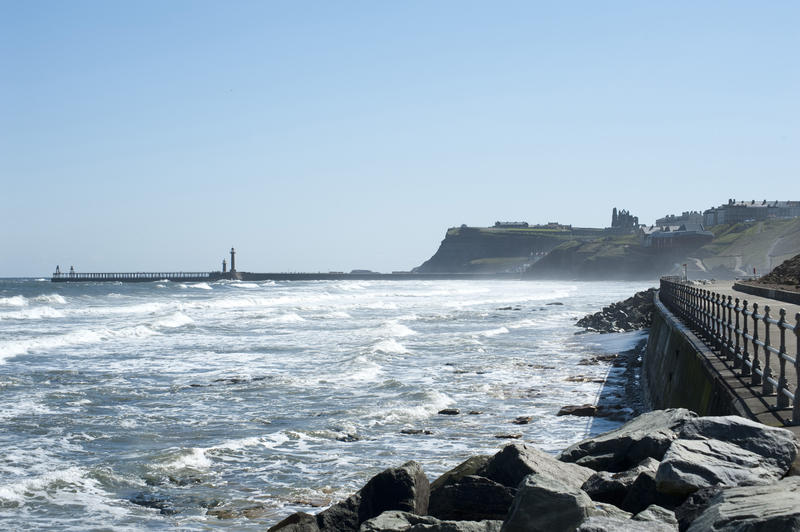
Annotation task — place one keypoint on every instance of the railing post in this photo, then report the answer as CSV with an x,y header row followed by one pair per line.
x,y
728,332
745,354
704,310
755,378
737,353
783,400
796,402
715,320
766,386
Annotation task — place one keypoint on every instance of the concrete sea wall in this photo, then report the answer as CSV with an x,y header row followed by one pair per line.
x,y
678,370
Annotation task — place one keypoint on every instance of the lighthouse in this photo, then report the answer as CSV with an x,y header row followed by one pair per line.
x,y
233,260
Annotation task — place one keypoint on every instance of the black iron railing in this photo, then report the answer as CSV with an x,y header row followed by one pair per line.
x,y
743,337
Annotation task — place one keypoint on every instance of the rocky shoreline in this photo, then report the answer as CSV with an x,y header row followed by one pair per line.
x,y
666,470
633,314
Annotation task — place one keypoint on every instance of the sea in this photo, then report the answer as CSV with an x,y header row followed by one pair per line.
x,y
230,405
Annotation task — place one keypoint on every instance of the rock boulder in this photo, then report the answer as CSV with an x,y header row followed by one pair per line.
x,y
403,488
395,521
690,465
753,508
612,488
471,498
515,461
547,505
647,436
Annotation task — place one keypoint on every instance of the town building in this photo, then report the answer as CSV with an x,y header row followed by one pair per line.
x,y
690,217
753,210
683,236
507,225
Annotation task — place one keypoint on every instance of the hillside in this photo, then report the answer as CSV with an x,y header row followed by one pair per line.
x,y
739,248
609,258
594,254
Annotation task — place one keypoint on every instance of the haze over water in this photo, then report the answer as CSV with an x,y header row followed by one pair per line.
x,y
267,398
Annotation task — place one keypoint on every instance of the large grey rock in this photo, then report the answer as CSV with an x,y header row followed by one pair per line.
x,y
517,460
647,436
769,508
694,505
544,504
693,464
470,466
602,509
643,493
612,488
394,521
775,445
658,514
615,524
297,522
403,488
471,498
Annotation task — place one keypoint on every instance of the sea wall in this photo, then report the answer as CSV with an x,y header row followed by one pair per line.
x,y
768,292
678,370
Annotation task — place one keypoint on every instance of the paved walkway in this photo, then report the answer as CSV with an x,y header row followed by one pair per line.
x,y
725,288
763,407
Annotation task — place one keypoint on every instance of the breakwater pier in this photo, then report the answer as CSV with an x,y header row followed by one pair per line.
x,y
198,277
232,274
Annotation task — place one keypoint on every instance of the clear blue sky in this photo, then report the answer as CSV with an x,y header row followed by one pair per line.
x,y
324,135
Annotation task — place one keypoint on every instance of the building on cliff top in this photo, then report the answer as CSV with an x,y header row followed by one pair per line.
x,y
683,236
753,210
506,225
623,221
690,217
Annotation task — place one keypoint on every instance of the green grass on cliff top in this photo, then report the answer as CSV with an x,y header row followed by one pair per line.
x,y
761,244
532,231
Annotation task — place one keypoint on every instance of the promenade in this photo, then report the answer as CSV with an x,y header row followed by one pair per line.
x,y
727,334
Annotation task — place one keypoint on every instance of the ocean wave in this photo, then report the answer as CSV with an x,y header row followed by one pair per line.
x,y
81,337
337,315
380,305
390,347
192,458
290,317
201,286
367,371
139,308
33,313
393,328
24,408
177,319
200,458
68,478
13,301
51,298
432,402
245,285
494,332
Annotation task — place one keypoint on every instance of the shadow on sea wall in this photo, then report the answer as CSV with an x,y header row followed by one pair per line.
x,y
620,397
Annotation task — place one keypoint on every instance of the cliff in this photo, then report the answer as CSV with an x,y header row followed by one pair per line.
x,y
596,254
609,258
493,250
